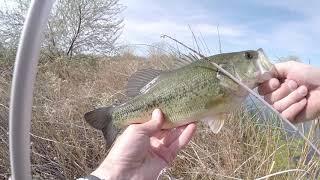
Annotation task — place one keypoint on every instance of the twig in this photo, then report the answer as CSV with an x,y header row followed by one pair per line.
x,y
280,172
53,141
268,158
224,176
6,107
204,44
195,39
220,50
251,157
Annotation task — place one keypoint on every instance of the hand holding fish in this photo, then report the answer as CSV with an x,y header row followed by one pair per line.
x,y
295,92
195,91
143,150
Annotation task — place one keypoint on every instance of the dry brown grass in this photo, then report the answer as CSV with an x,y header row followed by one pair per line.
x,y
65,147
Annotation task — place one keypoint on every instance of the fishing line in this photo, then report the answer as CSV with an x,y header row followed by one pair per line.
x,y
296,130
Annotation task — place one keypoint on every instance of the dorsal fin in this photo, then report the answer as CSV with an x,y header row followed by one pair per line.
x,y
138,81
184,60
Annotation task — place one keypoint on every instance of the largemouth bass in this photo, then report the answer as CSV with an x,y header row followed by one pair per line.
x,y
197,91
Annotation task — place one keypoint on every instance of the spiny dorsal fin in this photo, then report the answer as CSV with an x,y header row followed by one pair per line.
x,y
141,80
184,60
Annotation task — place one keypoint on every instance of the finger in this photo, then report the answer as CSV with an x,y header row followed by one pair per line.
x,y
311,111
284,68
161,150
161,134
268,86
294,110
165,153
154,125
183,139
173,135
284,90
165,135
292,98
169,136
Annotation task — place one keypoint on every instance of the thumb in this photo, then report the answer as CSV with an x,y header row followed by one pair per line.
x,y
154,125
283,68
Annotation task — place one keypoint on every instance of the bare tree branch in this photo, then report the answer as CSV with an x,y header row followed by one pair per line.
x,y
74,27
69,53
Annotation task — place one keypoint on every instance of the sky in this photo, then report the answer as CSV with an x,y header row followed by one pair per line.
x,y
282,28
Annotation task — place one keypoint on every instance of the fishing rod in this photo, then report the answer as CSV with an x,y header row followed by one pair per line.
x,y
25,70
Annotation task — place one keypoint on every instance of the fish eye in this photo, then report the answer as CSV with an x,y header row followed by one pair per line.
x,y
248,55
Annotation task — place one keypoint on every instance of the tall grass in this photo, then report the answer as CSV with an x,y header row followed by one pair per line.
x,y
64,146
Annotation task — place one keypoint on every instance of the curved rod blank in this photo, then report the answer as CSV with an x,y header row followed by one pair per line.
x,y
22,88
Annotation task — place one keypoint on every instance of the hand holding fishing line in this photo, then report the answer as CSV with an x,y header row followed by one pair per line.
x,y
143,150
295,92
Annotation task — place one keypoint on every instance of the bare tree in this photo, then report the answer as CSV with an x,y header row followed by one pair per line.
x,y
11,22
74,27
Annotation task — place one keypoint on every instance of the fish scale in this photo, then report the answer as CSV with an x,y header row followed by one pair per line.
x,y
197,86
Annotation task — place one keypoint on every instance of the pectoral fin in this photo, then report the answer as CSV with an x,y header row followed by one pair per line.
x,y
215,123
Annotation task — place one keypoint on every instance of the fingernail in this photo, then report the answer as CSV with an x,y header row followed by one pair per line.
x,y
303,91
303,101
292,85
156,114
275,83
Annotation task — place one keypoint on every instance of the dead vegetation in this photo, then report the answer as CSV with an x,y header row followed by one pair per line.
x,y
65,147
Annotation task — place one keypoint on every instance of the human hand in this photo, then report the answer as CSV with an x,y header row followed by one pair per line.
x,y
295,91
143,150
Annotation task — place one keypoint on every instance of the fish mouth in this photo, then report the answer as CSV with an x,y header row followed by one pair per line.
x,y
266,70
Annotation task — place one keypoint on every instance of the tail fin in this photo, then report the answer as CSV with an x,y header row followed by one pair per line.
x,y
102,119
